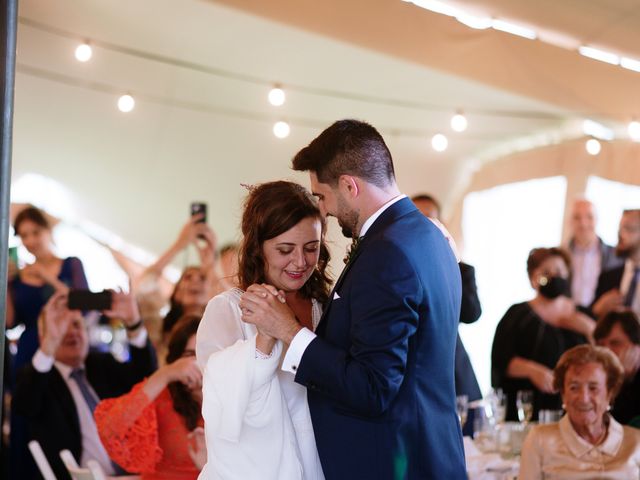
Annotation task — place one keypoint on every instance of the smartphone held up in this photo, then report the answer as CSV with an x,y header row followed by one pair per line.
x,y
88,300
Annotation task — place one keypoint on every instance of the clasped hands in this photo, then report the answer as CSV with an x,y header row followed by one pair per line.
x,y
266,307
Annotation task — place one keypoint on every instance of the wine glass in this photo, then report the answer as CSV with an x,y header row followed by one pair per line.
x,y
462,408
524,403
498,401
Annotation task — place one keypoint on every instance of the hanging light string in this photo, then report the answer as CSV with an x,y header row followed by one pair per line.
x,y
113,90
242,77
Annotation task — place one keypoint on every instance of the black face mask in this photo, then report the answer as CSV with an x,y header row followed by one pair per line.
x,y
553,287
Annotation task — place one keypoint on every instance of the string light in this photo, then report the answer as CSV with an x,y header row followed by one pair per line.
x,y
281,129
439,142
593,146
459,122
84,52
277,96
634,130
126,103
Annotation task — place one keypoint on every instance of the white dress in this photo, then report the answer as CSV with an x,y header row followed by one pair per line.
x,y
257,421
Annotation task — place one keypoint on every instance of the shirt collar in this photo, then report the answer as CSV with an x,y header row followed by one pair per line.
x,y
65,370
366,225
580,447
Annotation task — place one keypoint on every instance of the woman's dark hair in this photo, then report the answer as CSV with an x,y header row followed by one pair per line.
x,y
31,214
628,321
538,255
183,401
270,210
176,309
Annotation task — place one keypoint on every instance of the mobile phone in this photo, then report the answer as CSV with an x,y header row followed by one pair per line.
x,y
199,208
88,300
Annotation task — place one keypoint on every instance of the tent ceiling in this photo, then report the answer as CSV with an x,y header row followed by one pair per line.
x,y
200,72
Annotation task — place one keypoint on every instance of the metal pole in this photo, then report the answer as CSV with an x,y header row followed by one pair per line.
x,y
9,18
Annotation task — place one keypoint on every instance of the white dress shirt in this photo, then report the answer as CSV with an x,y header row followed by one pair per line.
x,y
556,452
585,269
305,336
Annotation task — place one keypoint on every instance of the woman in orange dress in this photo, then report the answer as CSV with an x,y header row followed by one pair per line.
x,y
156,429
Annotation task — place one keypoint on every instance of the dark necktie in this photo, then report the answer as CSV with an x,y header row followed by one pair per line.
x,y
352,249
628,300
81,380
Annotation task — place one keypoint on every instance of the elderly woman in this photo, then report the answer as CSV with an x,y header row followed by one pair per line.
x,y
532,335
587,442
619,331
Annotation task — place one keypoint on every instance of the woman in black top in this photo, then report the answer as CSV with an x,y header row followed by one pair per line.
x,y
532,335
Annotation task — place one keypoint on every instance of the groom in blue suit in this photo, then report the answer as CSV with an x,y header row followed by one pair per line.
x,y
379,370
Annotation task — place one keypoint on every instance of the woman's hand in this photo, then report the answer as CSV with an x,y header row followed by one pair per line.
x,y
197,447
266,308
542,378
37,272
184,370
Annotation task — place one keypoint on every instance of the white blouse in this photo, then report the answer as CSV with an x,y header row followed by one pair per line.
x,y
556,451
257,421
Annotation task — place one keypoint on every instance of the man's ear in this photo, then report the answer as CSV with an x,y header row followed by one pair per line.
x,y
349,186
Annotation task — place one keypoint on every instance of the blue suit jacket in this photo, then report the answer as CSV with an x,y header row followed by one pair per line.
x,y
380,374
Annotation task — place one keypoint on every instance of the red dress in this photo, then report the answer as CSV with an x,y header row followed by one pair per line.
x,y
145,437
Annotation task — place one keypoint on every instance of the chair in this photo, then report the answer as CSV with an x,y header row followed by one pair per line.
x,y
92,472
41,460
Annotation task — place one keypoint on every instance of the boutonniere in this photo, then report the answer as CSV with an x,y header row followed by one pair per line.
x,y
351,250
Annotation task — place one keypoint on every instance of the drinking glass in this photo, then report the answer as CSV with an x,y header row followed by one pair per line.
x,y
462,407
498,401
524,403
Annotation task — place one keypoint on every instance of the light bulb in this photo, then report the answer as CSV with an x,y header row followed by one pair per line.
x,y
459,122
593,146
281,129
439,142
84,52
126,103
276,96
634,130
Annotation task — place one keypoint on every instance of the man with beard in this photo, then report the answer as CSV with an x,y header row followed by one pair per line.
x,y
379,369
619,287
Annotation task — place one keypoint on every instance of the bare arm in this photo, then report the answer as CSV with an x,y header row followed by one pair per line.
x,y
538,374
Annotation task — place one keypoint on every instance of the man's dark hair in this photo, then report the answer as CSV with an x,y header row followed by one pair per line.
x,y
628,322
348,147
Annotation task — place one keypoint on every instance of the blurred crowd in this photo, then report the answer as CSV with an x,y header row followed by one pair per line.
x,y
575,346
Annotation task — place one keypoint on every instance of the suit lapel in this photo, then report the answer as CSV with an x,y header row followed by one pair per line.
x,y
390,215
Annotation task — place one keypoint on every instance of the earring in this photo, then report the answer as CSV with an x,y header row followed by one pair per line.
x,y
564,407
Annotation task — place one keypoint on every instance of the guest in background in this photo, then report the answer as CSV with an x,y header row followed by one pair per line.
x,y
589,254
620,287
156,429
58,391
532,335
470,311
587,442
34,284
28,291
619,331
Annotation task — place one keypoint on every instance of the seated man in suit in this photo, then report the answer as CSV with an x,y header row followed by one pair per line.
x,y
59,390
470,311
619,287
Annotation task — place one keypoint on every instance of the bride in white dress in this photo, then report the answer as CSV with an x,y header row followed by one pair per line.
x,y
257,422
